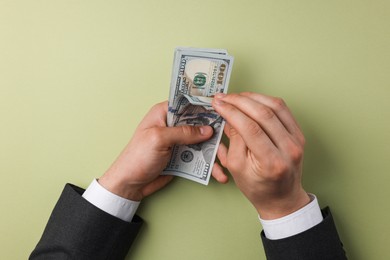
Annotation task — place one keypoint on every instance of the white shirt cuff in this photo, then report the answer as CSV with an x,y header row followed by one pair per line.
x,y
109,202
295,223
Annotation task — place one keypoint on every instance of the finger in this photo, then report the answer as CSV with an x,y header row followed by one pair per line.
x,y
281,110
222,154
218,174
157,116
185,134
157,184
226,129
246,128
237,146
263,115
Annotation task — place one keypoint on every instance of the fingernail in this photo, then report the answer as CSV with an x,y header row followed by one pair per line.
x,y
220,95
205,130
218,98
218,102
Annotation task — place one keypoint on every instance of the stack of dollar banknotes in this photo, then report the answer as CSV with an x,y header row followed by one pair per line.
x,y
197,75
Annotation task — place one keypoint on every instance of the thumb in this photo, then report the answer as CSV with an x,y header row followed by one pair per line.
x,y
186,134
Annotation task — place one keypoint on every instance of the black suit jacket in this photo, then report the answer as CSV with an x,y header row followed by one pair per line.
x,y
319,242
78,230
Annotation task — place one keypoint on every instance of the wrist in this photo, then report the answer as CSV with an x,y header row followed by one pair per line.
x,y
120,187
280,207
294,223
109,202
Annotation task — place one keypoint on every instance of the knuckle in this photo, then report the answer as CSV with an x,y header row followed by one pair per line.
x,y
233,131
279,103
159,106
296,153
155,136
278,170
265,113
156,107
188,130
254,129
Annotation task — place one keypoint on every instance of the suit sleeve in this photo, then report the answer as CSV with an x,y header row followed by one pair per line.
x,y
320,242
79,230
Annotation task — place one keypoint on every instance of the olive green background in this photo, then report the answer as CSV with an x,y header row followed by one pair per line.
x,y
76,77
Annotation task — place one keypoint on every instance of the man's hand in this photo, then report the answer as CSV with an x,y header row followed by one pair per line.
x,y
265,153
136,172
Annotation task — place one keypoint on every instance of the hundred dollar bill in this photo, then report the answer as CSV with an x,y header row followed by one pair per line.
x,y
197,75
